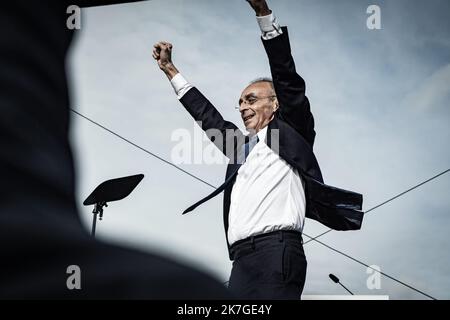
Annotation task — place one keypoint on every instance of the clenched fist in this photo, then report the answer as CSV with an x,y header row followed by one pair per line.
x,y
162,53
260,6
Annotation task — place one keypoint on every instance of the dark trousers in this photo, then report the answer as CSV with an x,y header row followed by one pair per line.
x,y
269,266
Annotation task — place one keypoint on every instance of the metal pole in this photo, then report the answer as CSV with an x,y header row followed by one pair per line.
x,y
346,288
94,223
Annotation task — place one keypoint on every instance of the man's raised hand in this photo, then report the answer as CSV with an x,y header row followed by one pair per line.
x,y
162,53
260,6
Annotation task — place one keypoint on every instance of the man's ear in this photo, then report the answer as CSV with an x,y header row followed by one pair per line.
x,y
276,105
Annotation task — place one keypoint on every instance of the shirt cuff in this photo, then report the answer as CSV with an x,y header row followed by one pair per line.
x,y
270,28
180,85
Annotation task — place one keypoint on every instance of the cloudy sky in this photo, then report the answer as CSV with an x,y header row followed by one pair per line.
x,y
381,99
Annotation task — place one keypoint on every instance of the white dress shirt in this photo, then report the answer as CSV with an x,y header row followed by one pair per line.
x,y
268,194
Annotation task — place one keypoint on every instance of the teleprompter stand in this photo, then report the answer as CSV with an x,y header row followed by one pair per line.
x,y
109,191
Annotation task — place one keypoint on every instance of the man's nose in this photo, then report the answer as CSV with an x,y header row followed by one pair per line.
x,y
242,107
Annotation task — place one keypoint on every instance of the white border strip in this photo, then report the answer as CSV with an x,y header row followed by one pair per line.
x,y
344,297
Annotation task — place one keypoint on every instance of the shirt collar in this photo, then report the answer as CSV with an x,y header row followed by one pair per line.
x,y
262,133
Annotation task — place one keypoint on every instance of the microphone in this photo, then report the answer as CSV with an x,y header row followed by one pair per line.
x,y
336,280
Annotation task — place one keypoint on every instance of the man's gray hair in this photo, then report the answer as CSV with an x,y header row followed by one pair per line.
x,y
264,79
261,79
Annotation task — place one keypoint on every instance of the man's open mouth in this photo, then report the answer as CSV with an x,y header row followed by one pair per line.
x,y
248,117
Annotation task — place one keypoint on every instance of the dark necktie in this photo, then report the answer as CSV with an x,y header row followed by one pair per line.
x,y
242,156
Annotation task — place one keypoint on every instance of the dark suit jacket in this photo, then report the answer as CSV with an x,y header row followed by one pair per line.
x,y
293,128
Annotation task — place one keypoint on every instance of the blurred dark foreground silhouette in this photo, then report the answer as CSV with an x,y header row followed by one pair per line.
x,y
40,232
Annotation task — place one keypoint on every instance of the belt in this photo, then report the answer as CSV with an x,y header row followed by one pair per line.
x,y
249,244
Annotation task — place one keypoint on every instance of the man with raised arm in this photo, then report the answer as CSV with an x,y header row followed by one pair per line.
x,y
273,180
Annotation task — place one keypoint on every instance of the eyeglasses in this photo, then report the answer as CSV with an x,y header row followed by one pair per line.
x,y
251,100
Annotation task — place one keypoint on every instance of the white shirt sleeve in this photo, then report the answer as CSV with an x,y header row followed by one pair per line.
x,y
180,85
270,28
